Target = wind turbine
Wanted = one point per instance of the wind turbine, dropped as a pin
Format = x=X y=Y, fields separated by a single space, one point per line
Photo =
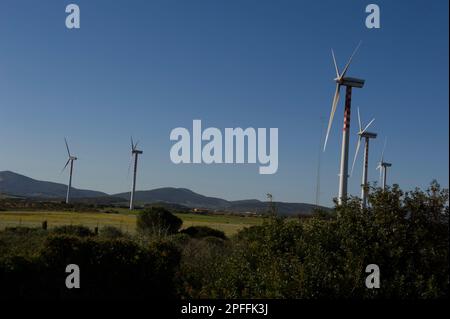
x=382 y=166
x=69 y=160
x=363 y=133
x=134 y=152
x=349 y=83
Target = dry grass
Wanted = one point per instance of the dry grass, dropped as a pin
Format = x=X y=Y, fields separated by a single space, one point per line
x=125 y=221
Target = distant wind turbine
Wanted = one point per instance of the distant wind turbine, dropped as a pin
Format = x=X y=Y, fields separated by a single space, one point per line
x=363 y=133
x=134 y=153
x=69 y=160
x=349 y=83
x=382 y=166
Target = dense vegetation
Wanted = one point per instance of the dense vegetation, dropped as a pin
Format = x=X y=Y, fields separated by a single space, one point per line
x=158 y=221
x=324 y=256
x=26 y=204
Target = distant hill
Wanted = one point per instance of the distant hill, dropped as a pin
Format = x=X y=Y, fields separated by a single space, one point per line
x=188 y=198
x=16 y=185
x=180 y=196
x=19 y=186
x=256 y=206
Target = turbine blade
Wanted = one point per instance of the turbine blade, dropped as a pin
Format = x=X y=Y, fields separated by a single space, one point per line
x=132 y=144
x=379 y=168
x=67 y=163
x=350 y=60
x=367 y=126
x=359 y=121
x=335 y=64
x=333 y=110
x=356 y=154
x=67 y=146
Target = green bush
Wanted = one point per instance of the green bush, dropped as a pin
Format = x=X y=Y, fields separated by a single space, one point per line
x=76 y=230
x=158 y=221
x=111 y=232
x=199 y=264
x=179 y=239
x=109 y=269
x=22 y=231
x=203 y=231
x=20 y=277
x=405 y=234
x=21 y=241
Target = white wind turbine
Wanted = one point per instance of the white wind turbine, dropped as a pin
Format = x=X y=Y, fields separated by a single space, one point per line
x=69 y=160
x=349 y=83
x=134 y=153
x=382 y=166
x=363 y=133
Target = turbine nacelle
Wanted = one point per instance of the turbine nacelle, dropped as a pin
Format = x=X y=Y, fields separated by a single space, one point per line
x=383 y=165
x=70 y=156
x=367 y=134
x=134 y=149
x=353 y=82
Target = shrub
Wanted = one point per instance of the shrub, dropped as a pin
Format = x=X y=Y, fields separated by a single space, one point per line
x=158 y=221
x=199 y=263
x=22 y=231
x=405 y=234
x=21 y=241
x=111 y=232
x=203 y=231
x=179 y=239
x=20 y=278
x=75 y=230
x=109 y=269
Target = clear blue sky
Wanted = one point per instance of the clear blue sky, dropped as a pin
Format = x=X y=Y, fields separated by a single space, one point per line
x=146 y=67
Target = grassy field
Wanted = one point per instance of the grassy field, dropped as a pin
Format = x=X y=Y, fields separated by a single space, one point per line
x=125 y=221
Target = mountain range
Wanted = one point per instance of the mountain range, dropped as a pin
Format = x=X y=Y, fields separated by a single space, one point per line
x=16 y=185
x=22 y=186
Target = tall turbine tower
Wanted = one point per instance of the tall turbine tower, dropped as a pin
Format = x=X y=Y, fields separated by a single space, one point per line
x=362 y=133
x=134 y=153
x=69 y=160
x=349 y=83
x=382 y=166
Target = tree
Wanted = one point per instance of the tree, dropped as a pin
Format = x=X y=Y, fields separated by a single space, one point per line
x=158 y=221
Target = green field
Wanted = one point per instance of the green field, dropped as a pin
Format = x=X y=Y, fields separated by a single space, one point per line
x=126 y=221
